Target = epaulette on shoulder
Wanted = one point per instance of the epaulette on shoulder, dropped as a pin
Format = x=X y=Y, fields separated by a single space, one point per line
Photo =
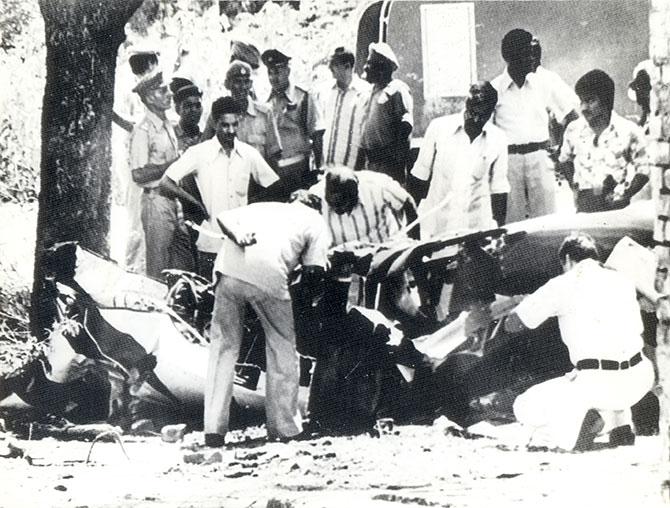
x=396 y=86
x=261 y=107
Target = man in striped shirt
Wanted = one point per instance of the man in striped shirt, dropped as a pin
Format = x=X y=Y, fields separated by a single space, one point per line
x=363 y=206
x=343 y=103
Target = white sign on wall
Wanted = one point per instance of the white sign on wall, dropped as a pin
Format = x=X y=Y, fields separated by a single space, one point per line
x=449 y=49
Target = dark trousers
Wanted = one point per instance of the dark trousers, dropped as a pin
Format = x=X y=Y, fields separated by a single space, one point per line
x=588 y=202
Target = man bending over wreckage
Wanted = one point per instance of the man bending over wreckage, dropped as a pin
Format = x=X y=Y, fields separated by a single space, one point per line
x=600 y=323
x=264 y=244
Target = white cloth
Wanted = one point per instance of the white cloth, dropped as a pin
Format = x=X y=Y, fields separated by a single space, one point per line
x=462 y=175
x=599 y=319
x=523 y=113
x=344 y=112
x=223 y=181
x=286 y=234
x=563 y=98
x=376 y=217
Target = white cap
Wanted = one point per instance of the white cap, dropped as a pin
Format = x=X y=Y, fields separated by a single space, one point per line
x=383 y=49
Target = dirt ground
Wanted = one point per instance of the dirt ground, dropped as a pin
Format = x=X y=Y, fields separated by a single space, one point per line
x=411 y=466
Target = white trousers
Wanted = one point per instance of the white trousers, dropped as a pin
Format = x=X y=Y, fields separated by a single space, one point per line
x=556 y=408
x=283 y=370
x=532 y=186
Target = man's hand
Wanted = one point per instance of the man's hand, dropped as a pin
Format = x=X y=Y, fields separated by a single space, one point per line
x=244 y=239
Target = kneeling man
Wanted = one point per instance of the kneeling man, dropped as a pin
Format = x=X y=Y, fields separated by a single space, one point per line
x=600 y=323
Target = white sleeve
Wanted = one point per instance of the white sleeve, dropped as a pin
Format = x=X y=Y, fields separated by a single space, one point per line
x=499 y=184
x=423 y=167
x=184 y=165
x=544 y=303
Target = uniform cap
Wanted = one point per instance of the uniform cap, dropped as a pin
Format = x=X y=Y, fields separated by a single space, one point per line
x=152 y=81
x=179 y=82
x=274 y=57
x=187 y=91
x=383 y=50
x=246 y=52
x=237 y=69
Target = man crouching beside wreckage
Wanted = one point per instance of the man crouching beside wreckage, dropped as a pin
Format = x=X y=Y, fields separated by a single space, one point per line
x=265 y=242
x=600 y=323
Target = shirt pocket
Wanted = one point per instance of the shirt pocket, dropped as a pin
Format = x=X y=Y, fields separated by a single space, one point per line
x=241 y=183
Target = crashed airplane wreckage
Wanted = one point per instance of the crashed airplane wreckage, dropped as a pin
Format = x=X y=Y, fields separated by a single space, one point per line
x=125 y=347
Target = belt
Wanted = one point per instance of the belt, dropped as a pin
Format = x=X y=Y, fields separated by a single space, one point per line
x=528 y=147
x=288 y=161
x=592 y=363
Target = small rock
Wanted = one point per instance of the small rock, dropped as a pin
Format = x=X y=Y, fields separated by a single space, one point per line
x=205 y=457
x=173 y=433
x=3 y=425
x=61 y=488
x=237 y=474
x=144 y=426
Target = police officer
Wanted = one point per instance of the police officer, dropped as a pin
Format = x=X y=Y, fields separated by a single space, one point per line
x=298 y=120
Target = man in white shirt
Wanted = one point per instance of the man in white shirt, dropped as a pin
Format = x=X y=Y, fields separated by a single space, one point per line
x=265 y=243
x=524 y=100
x=464 y=157
x=223 y=167
x=343 y=103
x=600 y=324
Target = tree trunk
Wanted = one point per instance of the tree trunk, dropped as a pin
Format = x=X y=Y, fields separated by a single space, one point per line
x=659 y=49
x=82 y=38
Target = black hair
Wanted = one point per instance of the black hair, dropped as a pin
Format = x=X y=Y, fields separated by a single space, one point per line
x=578 y=246
x=342 y=56
x=306 y=198
x=598 y=83
x=140 y=63
x=516 y=43
x=224 y=105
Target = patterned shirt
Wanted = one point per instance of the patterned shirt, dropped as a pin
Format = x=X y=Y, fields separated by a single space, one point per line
x=257 y=128
x=298 y=119
x=376 y=217
x=620 y=151
x=222 y=180
x=153 y=141
x=343 y=112
x=386 y=108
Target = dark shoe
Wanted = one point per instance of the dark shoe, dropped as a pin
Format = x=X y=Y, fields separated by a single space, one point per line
x=215 y=440
x=592 y=425
x=622 y=436
x=303 y=436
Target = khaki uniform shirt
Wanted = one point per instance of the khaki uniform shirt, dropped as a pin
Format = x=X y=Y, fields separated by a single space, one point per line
x=153 y=141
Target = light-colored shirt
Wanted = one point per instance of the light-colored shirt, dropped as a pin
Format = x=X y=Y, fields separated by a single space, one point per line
x=523 y=113
x=257 y=127
x=620 y=151
x=287 y=234
x=563 y=99
x=462 y=175
x=153 y=141
x=298 y=118
x=223 y=180
x=597 y=312
x=386 y=108
x=343 y=111
x=376 y=217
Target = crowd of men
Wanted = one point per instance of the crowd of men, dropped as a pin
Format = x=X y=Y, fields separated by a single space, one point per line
x=275 y=182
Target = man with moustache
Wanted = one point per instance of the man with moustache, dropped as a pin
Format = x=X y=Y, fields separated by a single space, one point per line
x=223 y=167
x=463 y=159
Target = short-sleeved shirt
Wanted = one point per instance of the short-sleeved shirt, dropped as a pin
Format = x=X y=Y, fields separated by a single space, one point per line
x=222 y=180
x=153 y=141
x=523 y=113
x=257 y=127
x=563 y=98
x=376 y=217
x=620 y=151
x=386 y=108
x=287 y=234
x=343 y=111
x=298 y=118
x=597 y=312
x=462 y=175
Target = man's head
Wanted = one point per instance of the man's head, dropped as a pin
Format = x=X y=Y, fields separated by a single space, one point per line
x=641 y=85
x=381 y=63
x=154 y=92
x=342 y=66
x=341 y=189
x=142 y=62
x=516 y=49
x=238 y=80
x=595 y=90
x=226 y=115
x=480 y=104
x=575 y=248
x=245 y=52
x=188 y=104
x=278 y=67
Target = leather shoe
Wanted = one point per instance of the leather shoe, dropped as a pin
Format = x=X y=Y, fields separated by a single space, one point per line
x=622 y=436
x=592 y=425
x=215 y=440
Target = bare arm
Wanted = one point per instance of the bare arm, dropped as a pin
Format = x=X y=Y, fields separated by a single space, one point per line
x=170 y=188
x=122 y=122
x=149 y=172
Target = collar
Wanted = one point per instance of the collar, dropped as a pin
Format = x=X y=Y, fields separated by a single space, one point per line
x=506 y=80
x=460 y=126
x=357 y=84
x=235 y=150
x=155 y=120
x=251 y=108
x=289 y=93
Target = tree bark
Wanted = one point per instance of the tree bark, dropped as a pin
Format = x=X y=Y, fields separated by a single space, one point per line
x=659 y=49
x=82 y=39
